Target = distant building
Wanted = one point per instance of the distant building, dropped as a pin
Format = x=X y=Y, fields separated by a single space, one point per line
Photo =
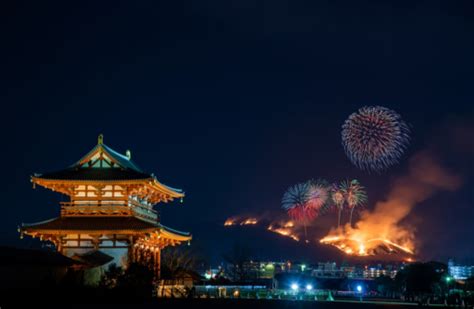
x=375 y=272
x=327 y=270
x=460 y=272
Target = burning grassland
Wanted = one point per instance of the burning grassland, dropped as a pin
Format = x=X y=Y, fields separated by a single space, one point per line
x=240 y=221
x=380 y=230
x=286 y=229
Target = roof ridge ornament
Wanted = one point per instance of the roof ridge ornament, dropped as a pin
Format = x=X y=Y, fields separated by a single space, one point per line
x=100 y=139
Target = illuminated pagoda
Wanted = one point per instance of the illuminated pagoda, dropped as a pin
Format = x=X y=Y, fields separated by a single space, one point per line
x=110 y=210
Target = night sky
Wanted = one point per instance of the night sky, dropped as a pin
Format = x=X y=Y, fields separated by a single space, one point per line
x=234 y=101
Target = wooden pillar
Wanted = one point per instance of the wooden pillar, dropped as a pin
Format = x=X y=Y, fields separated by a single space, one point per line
x=157 y=259
x=131 y=255
x=95 y=242
x=138 y=255
x=59 y=244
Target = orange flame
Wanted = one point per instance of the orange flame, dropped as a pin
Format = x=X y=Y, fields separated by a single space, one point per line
x=380 y=229
x=235 y=221
x=365 y=247
x=284 y=229
x=229 y=222
x=249 y=221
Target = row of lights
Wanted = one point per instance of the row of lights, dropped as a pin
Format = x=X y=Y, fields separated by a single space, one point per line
x=295 y=287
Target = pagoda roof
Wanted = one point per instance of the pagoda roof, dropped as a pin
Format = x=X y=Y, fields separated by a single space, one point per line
x=102 y=163
x=18 y=256
x=84 y=174
x=91 y=224
x=93 y=258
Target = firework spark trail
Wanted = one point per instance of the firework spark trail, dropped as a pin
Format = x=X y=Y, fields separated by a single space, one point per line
x=337 y=197
x=374 y=138
x=354 y=194
x=424 y=179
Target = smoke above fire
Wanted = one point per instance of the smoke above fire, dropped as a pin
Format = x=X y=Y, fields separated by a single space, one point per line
x=381 y=229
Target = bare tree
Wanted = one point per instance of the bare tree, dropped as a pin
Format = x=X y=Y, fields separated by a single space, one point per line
x=237 y=258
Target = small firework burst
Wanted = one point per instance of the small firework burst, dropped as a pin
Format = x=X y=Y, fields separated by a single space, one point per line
x=374 y=138
x=318 y=195
x=354 y=194
x=338 y=199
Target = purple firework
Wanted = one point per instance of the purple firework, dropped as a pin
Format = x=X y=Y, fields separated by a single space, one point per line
x=374 y=138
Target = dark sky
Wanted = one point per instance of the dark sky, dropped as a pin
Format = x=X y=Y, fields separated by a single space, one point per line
x=233 y=101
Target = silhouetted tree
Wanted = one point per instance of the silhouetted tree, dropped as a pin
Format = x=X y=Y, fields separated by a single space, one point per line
x=111 y=276
x=137 y=280
x=418 y=278
x=469 y=284
x=178 y=266
x=177 y=261
x=237 y=258
x=385 y=286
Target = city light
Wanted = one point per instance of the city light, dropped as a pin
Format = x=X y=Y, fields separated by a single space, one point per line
x=294 y=286
x=309 y=287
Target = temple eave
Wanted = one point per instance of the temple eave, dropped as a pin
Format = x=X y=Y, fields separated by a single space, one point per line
x=103 y=226
x=165 y=235
x=158 y=191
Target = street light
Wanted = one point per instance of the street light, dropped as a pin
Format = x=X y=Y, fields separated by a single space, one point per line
x=294 y=287
x=359 y=290
x=309 y=287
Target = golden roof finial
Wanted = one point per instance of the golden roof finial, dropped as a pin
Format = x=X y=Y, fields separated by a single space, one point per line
x=100 y=139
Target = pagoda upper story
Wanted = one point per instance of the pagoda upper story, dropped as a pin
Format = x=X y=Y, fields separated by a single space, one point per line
x=107 y=183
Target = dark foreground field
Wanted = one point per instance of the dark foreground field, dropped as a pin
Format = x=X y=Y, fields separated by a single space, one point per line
x=209 y=303
x=49 y=297
x=254 y=303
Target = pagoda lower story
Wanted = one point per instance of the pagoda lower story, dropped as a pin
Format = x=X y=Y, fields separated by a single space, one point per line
x=110 y=211
x=126 y=239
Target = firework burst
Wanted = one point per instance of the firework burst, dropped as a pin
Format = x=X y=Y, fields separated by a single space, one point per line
x=319 y=191
x=295 y=202
x=354 y=194
x=338 y=199
x=374 y=138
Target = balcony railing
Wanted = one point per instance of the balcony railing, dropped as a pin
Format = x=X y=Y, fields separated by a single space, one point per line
x=107 y=209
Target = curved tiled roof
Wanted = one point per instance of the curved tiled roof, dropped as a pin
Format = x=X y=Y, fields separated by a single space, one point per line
x=118 y=167
x=84 y=223
x=95 y=174
x=92 y=223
